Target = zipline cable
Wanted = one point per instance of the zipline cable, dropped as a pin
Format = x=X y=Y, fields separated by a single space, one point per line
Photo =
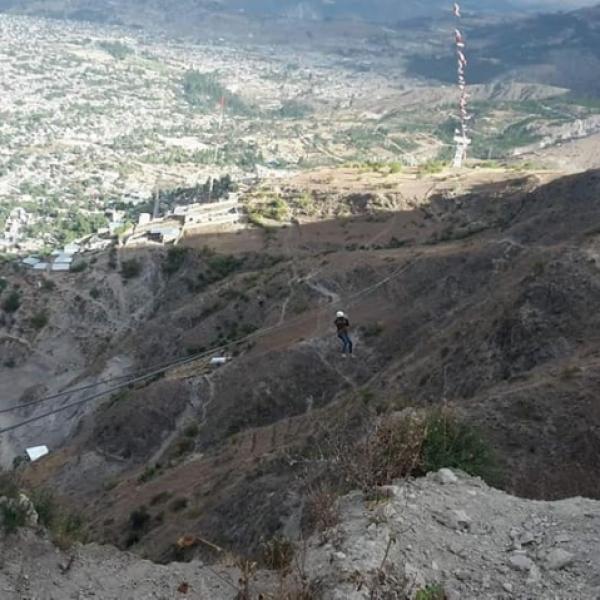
x=84 y=388
x=350 y=301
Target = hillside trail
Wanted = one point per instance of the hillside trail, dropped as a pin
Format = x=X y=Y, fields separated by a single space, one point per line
x=391 y=226
x=189 y=415
x=335 y=366
x=6 y=447
x=287 y=247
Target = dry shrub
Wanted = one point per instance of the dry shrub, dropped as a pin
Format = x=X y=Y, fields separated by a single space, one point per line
x=406 y=444
x=322 y=508
x=294 y=583
x=248 y=570
x=391 y=450
x=396 y=447
x=277 y=553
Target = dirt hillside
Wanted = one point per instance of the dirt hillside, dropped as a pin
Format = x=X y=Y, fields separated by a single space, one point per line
x=472 y=291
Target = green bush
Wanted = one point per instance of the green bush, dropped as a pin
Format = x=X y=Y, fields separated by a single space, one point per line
x=39 y=320
x=131 y=268
x=149 y=473
x=450 y=443
x=117 y=50
x=45 y=506
x=184 y=445
x=65 y=527
x=191 y=430
x=79 y=267
x=204 y=90
x=221 y=266
x=12 y=517
x=12 y=303
x=431 y=592
x=174 y=260
x=178 y=504
x=139 y=519
x=431 y=167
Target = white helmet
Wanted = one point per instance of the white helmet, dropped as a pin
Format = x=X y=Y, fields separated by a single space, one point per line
x=340 y=315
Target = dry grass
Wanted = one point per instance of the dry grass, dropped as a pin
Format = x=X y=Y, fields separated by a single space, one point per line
x=322 y=508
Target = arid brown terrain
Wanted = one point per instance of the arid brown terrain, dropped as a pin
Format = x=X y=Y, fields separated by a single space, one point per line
x=475 y=291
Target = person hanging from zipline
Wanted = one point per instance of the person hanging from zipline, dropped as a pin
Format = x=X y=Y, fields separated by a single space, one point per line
x=343 y=332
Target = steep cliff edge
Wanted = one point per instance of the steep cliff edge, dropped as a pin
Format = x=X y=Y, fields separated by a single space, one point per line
x=443 y=536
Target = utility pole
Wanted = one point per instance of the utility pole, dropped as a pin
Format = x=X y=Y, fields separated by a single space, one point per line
x=156 y=202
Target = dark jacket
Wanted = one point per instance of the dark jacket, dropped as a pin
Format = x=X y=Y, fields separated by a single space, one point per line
x=342 y=324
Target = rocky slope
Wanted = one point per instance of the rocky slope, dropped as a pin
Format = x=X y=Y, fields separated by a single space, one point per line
x=448 y=534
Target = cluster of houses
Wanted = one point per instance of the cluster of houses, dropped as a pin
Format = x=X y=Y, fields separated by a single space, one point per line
x=58 y=261
x=185 y=219
x=197 y=217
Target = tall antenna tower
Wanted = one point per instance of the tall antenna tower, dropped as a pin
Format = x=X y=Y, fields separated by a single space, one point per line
x=461 y=135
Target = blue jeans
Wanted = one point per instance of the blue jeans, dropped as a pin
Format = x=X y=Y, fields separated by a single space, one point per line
x=346 y=341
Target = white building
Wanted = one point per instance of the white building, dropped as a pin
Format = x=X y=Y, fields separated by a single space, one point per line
x=164 y=234
x=63 y=259
x=227 y=212
x=37 y=452
x=71 y=249
x=31 y=261
x=60 y=267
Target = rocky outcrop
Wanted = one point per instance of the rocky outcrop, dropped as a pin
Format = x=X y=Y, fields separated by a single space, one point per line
x=447 y=533
x=33 y=568
x=455 y=533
